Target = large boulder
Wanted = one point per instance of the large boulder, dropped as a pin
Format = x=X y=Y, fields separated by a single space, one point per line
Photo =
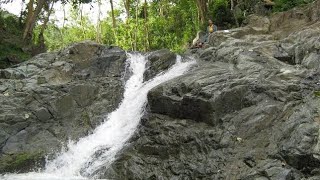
x=228 y=121
x=285 y=23
x=159 y=61
x=249 y=110
x=55 y=97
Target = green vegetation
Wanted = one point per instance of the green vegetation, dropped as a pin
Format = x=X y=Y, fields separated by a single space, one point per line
x=222 y=13
x=85 y=120
x=11 y=45
x=20 y=162
x=317 y=93
x=172 y=29
x=135 y=25
x=284 y=5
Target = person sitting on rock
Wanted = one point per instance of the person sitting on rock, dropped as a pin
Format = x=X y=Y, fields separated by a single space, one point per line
x=202 y=38
x=210 y=29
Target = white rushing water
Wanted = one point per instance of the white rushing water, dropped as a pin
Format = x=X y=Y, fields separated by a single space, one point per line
x=83 y=158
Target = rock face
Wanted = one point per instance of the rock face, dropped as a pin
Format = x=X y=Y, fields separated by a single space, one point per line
x=158 y=61
x=249 y=110
x=55 y=97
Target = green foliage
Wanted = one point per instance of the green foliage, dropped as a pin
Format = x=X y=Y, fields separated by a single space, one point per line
x=222 y=15
x=57 y=38
x=12 y=51
x=1 y=19
x=7 y=49
x=283 y=5
x=10 y=23
x=168 y=24
x=172 y=30
x=11 y=44
x=20 y=161
x=317 y=93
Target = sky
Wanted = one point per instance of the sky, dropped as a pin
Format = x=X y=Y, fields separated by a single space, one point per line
x=88 y=9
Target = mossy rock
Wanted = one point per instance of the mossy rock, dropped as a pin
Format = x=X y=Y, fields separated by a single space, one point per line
x=86 y=122
x=22 y=162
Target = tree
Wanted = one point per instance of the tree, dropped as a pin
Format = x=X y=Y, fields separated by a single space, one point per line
x=114 y=24
x=32 y=18
x=146 y=29
x=33 y=14
x=50 y=5
x=127 y=8
x=136 y=26
x=202 y=10
x=98 y=34
x=21 y=13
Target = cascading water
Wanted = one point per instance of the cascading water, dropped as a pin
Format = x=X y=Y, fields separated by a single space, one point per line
x=89 y=154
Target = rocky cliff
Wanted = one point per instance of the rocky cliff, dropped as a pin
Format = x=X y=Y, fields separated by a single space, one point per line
x=55 y=97
x=249 y=109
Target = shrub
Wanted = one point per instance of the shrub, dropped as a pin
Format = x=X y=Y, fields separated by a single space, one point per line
x=284 y=5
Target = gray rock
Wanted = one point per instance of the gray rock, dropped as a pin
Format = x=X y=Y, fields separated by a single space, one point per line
x=84 y=95
x=207 y=54
x=14 y=143
x=158 y=61
x=249 y=113
x=11 y=74
x=277 y=173
x=312 y=61
x=41 y=80
x=43 y=114
x=3 y=136
x=65 y=106
x=54 y=97
x=245 y=114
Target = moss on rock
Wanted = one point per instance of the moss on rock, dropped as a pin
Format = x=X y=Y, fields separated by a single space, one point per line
x=21 y=162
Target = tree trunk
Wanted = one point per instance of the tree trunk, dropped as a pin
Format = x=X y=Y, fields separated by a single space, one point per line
x=46 y=20
x=114 y=25
x=61 y=30
x=202 y=10
x=231 y=5
x=146 y=29
x=127 y=8
x=21 y=13
x=161 y=9
x=98 y=34
x=44 y=26
x=29 y=17
x=136 y=27
x=112 y=13
x=81 y=22
x=64 y=15
x=31 y=22
x=233 y=10
x=128 y=32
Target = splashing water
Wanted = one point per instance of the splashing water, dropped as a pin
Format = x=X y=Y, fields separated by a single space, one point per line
x=99 y=149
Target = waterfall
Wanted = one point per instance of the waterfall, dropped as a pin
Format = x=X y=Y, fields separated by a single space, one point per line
x=83 y=158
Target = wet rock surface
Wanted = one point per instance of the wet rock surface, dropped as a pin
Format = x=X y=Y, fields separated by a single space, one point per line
x=55 y=97
x=249 y=110
x=158 y=61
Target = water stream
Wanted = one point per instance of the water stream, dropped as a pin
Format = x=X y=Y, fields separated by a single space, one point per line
x=84 y=158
